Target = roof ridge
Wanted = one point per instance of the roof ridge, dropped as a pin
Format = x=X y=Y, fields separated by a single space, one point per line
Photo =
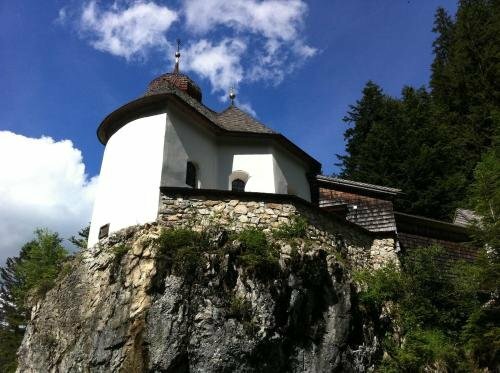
x=359 y=184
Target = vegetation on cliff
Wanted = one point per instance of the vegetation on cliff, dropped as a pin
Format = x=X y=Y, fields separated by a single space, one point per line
x=444 y=315
x=24 y=278
x=440 y=319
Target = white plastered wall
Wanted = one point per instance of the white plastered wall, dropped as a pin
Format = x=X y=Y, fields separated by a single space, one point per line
x=186 y=140
x=129 y=180
x=271 y=169
x=154 y=150
x=259 y=168
x=255 y=160
x=290 y=175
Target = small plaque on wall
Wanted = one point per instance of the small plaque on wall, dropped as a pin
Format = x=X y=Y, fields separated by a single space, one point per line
x=104 y=231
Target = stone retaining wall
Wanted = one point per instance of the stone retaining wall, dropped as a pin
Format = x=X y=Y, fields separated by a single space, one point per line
x=237 y=212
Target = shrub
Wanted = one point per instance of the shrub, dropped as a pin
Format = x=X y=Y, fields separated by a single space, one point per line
x=182 y=249
x=423 y=350
x=173 y=239
x=379 y=286
x=296 y=229
x=253 y=240
x=445 y=317
x=240 y=308
x=119 y=251
x=256 y=255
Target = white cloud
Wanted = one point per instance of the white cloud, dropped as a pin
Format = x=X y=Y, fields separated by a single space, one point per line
x=274 y=19
x=220 y=63
x=127 y=32
x=62 y=16
x=42 y=184
x=228 y=42
x=271 y=30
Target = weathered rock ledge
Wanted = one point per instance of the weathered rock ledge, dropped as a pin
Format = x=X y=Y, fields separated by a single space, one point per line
x=119 y=310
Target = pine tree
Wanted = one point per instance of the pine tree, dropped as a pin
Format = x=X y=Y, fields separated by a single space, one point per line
x=12 y=315
x=466 y=78
x=361 y=117
x=394 y=142
x=29 y=275
x=428 y=143
x=82 y=237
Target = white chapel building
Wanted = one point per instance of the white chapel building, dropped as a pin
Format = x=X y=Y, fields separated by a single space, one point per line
x=168 y=138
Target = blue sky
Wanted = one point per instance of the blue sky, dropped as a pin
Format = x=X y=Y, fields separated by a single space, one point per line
x=297 y=64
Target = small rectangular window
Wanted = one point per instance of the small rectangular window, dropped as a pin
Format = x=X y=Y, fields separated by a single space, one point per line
x=104 y=231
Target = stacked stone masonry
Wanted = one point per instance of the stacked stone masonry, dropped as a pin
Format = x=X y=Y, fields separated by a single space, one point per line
x=365 y=249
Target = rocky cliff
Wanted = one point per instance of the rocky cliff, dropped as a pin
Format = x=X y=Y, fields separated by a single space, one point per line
x=162 y=299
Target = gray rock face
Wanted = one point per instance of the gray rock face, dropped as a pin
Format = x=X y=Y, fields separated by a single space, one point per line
x=120 y=310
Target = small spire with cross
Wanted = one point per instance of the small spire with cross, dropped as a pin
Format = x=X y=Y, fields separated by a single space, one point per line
x=177 y=57
x=232 y=95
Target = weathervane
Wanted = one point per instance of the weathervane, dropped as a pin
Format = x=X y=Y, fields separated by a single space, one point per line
x=177 y=57
x=232 y=95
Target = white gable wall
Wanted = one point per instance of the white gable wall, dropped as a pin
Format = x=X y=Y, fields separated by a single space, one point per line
x=260 y=171
x=254 y=159
x=128 y=190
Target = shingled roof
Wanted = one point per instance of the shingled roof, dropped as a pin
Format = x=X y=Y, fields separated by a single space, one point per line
x=369 y=205
x=235 y=119
x=373 y=215
x=231 y=121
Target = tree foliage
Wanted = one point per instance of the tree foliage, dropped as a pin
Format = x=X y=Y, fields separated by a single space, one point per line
x=428 y=142
x=442 y=320
x=28 y=275
x=485 y=201
x=81 y=239
x=445 y=313
x=12 y=316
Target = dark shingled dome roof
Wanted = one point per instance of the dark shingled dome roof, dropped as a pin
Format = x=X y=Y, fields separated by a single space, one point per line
x=163 y=83
x=231 y=119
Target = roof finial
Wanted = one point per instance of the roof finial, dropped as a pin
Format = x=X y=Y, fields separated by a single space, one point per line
x=232 y=95
x=177 y=57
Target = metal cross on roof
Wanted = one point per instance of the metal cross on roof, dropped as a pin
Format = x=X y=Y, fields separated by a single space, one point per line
x=232 y=95
x=177 y=57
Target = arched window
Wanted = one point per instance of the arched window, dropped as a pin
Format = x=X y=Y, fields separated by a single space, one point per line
x=238 y=185
x=238 y=180
x=191 y=175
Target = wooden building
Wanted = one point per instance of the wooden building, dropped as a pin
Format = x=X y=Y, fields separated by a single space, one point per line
x=371 y=207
